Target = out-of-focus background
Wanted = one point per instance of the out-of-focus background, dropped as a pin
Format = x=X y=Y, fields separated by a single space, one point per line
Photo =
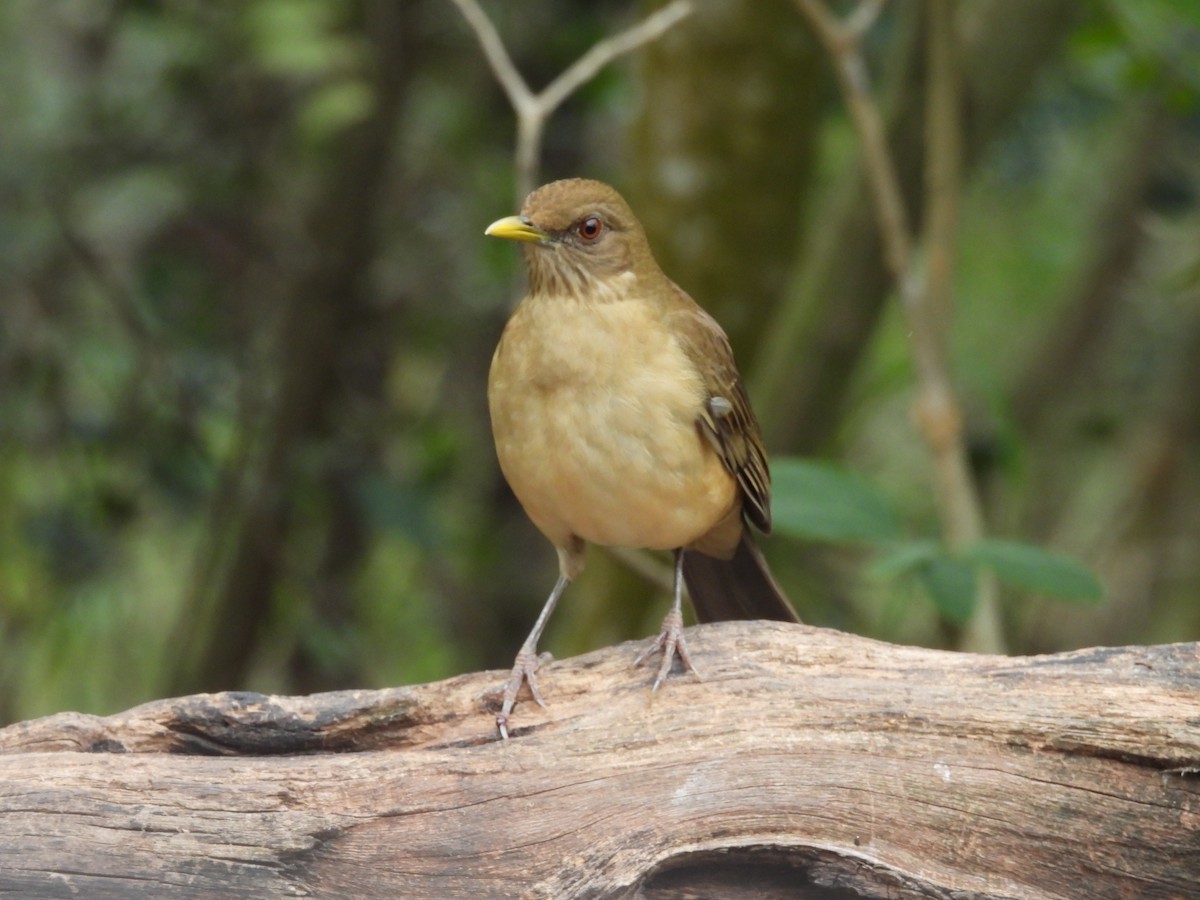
x=247 y=310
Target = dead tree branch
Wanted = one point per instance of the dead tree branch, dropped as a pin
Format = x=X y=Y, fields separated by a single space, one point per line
x=925 y=286
x=534 y=109
x=805 y=760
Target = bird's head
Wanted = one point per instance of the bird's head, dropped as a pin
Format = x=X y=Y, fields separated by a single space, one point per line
x=581 y=240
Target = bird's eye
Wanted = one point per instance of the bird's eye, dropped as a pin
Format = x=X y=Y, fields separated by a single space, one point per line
x=590 y=228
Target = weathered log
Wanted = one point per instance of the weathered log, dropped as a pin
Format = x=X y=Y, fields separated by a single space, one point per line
x=807 y=763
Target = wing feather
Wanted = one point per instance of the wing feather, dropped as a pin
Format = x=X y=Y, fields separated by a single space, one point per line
x=727 y=421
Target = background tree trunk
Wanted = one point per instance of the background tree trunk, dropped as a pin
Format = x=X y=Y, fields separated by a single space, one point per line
x=328 y=333
x=807 y=763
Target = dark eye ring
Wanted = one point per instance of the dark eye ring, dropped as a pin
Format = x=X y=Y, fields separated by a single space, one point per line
x=590 y=228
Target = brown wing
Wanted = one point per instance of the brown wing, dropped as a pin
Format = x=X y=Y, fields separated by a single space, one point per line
x=726 y=421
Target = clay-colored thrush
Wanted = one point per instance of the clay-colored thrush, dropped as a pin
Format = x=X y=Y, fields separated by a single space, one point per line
x=620 y=419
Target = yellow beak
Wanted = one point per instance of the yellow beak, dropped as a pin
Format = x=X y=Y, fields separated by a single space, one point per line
x=517 y=228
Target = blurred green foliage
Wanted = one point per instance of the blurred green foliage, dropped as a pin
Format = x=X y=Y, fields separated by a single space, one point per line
x=248 y=312
x=818 y=501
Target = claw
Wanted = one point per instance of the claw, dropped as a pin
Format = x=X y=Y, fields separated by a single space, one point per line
x=528 y=660
x=523 y=672
x=671 y=642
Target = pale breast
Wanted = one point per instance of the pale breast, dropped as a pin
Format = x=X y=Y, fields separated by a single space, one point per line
x=594 y=409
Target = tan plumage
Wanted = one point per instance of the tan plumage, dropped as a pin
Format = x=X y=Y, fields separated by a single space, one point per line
x=620 y=418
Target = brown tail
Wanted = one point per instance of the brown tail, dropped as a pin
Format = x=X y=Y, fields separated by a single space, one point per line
x=738 y=588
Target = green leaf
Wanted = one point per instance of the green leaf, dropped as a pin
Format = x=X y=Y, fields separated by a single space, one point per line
x=1034 y=569
x=950 y=583
x=901 y=558
x=819 y=501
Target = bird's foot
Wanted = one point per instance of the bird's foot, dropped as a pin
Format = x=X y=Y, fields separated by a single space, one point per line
x=671 y=642
x=524 y=671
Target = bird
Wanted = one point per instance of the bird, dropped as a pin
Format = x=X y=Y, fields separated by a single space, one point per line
x=620 y=419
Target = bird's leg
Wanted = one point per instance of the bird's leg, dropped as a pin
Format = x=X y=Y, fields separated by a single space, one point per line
x=527 y=662
x=670 y=639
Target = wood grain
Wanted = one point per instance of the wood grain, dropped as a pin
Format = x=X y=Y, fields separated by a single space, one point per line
x=807 y=763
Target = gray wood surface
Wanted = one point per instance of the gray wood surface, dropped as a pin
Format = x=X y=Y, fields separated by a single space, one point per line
x=807 y=763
